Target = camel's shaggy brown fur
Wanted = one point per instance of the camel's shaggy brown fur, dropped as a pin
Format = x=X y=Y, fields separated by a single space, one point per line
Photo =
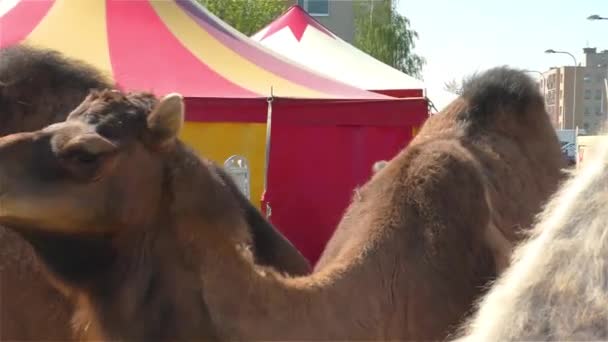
x=556 y=288
x=41 y=86
x=407 y=261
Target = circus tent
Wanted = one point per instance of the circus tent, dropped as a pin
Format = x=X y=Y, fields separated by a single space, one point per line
x=226 y=78
x=299 y=37
x=163 y=46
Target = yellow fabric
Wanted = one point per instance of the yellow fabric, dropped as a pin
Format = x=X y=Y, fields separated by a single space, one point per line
x=219 y=141
x=223 y=60
x=63 y=26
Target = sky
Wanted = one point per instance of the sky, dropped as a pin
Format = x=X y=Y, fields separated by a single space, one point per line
x=459 y=37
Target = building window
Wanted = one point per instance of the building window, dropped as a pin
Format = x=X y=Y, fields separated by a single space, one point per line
x=586 y=126
x=587 y=111
x=598 y=110
x=599 y=78
x=587 y=78
x=315 y=7
x=598 y=94
x=587 y=94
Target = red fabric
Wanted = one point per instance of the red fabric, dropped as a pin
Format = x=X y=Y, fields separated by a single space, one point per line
x=400 y=93
x=200 y=109
x=316 y=164
x=144 y=52
x=297 y=20
x=21 y=20
x=394 y=112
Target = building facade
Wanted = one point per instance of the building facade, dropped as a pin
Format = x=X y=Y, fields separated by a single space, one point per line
x=559 y=96
x=595 y=100
x=591 y=101
x=337 y=15
x=550 y=87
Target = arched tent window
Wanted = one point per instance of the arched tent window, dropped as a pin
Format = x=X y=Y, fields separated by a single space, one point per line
x=238 y=167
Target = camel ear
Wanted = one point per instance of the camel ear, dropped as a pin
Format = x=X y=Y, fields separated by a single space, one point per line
x=167 y=118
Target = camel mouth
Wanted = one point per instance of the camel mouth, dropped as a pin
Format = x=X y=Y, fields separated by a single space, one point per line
x=8 y=220
x=17 y=213
x=7 y=216
x=3 y=195
x=4 y=201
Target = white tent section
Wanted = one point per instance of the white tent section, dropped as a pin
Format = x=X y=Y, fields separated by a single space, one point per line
x=299 y=37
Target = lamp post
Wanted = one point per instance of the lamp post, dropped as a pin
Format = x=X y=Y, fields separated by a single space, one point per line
x=574 y=88
x=542 y=76
x=544 y=81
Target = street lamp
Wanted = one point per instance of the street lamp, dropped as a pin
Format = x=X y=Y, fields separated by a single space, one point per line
x=544 y=83
x=596 y=17
x=538 y=72
x=574 y=89
x=543 y=77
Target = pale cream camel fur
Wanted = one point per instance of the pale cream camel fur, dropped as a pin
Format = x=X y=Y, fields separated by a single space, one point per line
x=556 y=288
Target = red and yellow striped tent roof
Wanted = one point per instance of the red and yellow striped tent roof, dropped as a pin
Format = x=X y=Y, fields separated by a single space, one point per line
x=164 y=46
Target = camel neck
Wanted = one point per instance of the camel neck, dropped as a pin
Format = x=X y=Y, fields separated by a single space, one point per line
x=254 y=303
x=250 y=302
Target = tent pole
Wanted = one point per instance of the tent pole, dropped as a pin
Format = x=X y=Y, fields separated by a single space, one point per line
x=268 y=209
x=268 y=131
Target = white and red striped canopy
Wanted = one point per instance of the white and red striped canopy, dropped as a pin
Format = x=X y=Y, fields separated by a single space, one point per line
x=299 y=37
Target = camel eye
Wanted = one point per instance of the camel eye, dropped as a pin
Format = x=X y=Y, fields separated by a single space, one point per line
x=86 y=150
x=82 y=157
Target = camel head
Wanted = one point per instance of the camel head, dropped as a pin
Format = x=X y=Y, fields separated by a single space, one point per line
x=107 y=199
x=97 y=172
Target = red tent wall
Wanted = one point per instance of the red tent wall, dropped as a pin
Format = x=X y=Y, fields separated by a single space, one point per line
x=218 y=109
x=321 y=151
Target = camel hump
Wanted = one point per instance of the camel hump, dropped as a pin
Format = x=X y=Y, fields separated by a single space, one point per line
x=500 y=90
x=40 y=86
x=24 y=63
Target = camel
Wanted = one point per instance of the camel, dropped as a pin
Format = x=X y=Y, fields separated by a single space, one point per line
x=39 y=87
x=160 y=254
x=555 y=288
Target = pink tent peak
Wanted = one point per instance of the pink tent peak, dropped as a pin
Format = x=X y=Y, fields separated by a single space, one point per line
x=297 y=22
